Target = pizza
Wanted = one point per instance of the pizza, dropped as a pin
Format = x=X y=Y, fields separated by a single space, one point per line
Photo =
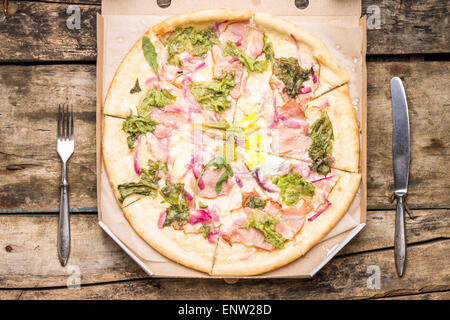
x=230 y=141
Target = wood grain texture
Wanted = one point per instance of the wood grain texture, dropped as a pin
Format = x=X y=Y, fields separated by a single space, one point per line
x=30 y=168
x=28 y=256
x=37 y=30
x=29 y=165
x=343 y=278
x=428 y=102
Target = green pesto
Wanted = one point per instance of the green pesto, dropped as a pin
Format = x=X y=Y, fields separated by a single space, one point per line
x=266 y=224
x=291 y=74
x=137 y=125
x=212 y=95
x=248 y=62
x=268 y=49
x=322 y=144
x=292 y=186
x=197 y=42
x=255 y=202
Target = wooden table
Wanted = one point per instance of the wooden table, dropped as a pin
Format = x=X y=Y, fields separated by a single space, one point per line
x=42 y=63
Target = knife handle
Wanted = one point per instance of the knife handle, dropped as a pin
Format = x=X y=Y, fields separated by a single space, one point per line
x=400 y=237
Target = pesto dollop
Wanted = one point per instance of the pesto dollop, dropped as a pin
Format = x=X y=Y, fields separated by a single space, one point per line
x=197 y=42
x=291 y=74
x=255 y=202
x=266 y=224
x=292 y=186
x=212 y=95
x=322 y=144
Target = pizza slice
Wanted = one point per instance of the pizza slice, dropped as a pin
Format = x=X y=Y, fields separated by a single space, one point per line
x=284 y=212
x=180 y=73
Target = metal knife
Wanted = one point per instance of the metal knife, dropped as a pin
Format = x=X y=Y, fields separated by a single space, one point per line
x=401 y=159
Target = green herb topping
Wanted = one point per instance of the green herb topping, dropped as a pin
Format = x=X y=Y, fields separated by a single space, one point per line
x=218 y=163
x=320 y=150
x=136 y=88
x=178 y=211
x=255 y=202
x=204 y=230
x=291 y=74
x=150 y=54
x=212 y=95
x=137 y=125
x=250 y=64
x=197 y=42
x=292 y=186
x=147 y=185
x=201 y=205
x=266 y=224
x=268 y=49
x=156 y=98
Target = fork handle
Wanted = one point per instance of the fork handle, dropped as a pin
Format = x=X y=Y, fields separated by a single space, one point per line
x=63 y=223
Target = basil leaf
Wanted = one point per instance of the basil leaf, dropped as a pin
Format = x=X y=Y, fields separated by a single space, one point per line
x=150 y=54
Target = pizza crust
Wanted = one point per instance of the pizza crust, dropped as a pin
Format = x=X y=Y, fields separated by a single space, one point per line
x=345 y=127
x=190 y=250
x=240 y=260
x=201 y=16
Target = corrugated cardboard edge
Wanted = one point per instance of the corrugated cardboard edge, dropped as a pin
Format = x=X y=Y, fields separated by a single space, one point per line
x=363 y=154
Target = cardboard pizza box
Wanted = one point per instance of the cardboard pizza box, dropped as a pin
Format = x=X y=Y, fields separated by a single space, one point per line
x=336 y=22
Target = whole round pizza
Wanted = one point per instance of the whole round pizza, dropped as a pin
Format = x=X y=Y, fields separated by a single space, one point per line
x=230 y=140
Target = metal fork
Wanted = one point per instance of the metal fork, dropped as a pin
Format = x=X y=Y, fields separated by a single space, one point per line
x=64 y=147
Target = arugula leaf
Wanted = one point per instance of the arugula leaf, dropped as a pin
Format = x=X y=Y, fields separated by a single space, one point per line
x=178 y=210
x=136 y=88
x=178 y=213
x=150 y=54
x=291 y=74
x=156 y=98
x=292 y=186
x=266 y=224
x=321 y=147
x=148 y=183
x=219 y=163
x=268 y=49
x=212 y=95
x=197 y=42
x=137 y=125
x=249 y=63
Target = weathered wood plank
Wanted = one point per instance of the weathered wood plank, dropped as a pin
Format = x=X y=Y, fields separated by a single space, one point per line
x=408 y=27
x=30 y=168
x=444 y=295
x=37 y=31
x=428 y=102
x=28 y=256
x=343 y=278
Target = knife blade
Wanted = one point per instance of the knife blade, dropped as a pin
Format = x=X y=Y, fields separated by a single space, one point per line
x=401 y=160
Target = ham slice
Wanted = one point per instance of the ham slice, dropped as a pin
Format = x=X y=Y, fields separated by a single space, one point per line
x=249 y=237
x=159 y=148
x=172 y=119
x=257 y=43
x=288 y=140
x=224 y=64
x=235 y=32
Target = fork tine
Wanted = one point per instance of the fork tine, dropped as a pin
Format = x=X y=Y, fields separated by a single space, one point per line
x=58 y=131
x=71 y=123
x=67 y=122
x=63 y=121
